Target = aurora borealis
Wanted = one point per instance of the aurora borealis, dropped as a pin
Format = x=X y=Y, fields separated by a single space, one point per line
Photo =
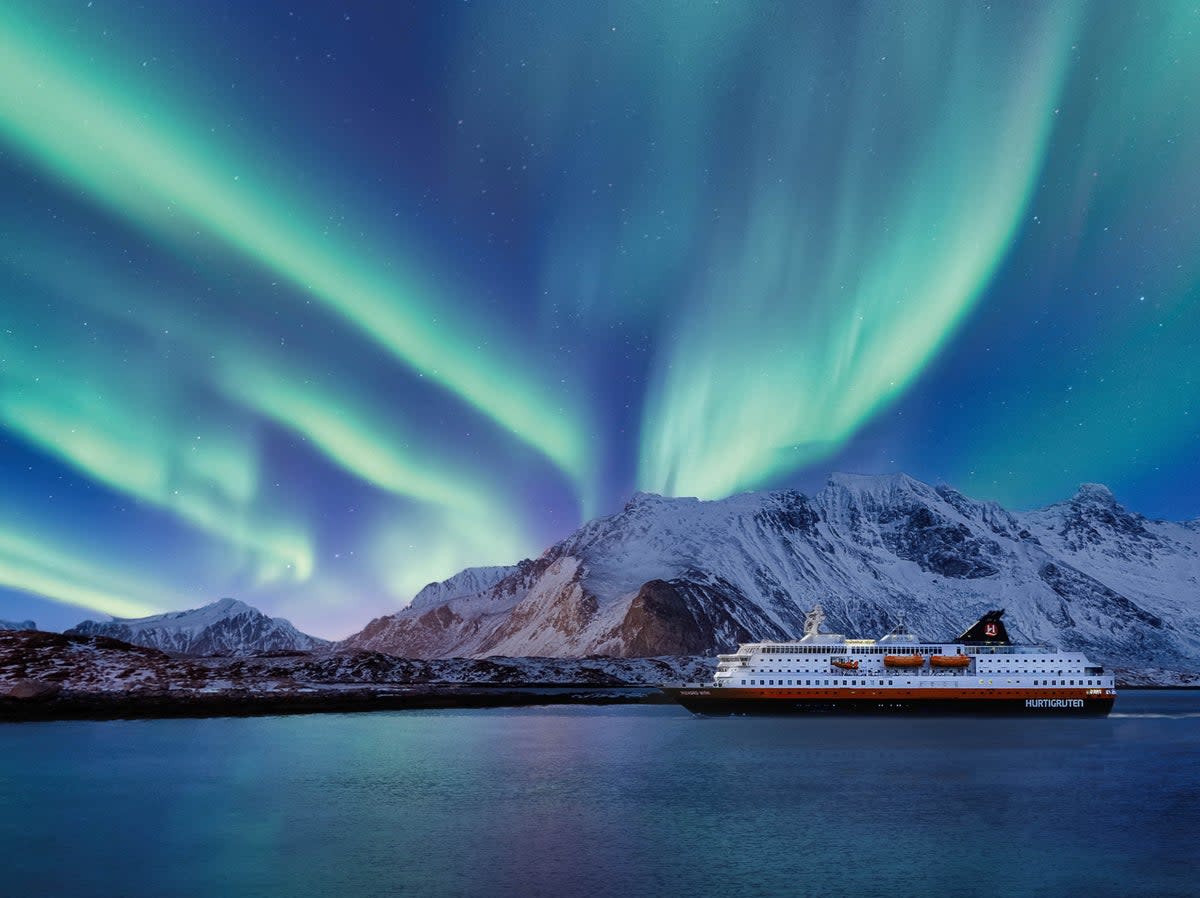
x=312 y=304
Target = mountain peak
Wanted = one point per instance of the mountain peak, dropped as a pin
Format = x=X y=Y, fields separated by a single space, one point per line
x=876 y=490
x=226 y=626
x=1095 y=492
x=641 y=498
x=228 y=606
x=874 y=483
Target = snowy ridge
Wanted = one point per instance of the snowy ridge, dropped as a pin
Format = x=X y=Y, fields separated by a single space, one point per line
x=17 y=625
x=688 y=577
x=469 y=582
x=224 y=627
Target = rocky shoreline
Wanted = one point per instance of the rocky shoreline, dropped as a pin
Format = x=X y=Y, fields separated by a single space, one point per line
x=70 y=705
x=55 y=676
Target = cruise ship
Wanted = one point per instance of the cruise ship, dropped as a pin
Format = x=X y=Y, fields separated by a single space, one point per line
x=980 y=672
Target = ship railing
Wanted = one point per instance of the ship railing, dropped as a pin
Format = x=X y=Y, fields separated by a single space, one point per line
x=1006 y=649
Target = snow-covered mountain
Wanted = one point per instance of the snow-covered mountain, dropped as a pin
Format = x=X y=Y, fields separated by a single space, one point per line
x=464 y=583
x=17 y=625
x=682 y=576
x=224 y=627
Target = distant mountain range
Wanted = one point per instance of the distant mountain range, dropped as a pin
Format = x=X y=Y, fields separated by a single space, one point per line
x=17 y=625
x=684 y=577
x=224 y=627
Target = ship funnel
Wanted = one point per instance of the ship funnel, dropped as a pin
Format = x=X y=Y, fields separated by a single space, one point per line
x=988 y=630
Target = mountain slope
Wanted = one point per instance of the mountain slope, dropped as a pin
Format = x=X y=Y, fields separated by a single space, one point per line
x=681 y=576
x=17 y=625
x=224 y=627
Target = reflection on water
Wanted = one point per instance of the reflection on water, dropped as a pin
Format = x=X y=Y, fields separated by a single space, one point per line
x=1158 y=716
x=602 y=801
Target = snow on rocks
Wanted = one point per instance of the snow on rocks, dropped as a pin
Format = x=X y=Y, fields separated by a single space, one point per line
x=688 y=576
x=224 y=627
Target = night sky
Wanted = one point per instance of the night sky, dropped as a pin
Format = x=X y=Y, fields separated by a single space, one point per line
x=312 y=303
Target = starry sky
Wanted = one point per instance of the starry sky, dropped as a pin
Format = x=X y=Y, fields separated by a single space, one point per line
x=314 y=303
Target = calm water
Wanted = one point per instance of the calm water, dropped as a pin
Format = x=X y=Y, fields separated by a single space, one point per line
x=586 y=801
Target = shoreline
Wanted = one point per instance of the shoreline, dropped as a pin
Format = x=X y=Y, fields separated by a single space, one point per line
x=118 y=706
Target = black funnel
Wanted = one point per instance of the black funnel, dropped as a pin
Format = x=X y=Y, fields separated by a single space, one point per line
x=988 y=630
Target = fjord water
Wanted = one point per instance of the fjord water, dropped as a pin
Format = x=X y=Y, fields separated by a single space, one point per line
x=629 y=800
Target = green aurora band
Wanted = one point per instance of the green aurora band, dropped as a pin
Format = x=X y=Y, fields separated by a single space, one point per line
x=1128 y=399
x=822 y=304
x=134 y=429
x=141 y=434
x=110 y=140
x=58 y=571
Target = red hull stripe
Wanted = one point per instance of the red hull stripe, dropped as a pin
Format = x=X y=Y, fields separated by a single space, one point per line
x=851 y=692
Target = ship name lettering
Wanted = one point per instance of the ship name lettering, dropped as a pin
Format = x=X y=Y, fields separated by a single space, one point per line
x=1053 y=703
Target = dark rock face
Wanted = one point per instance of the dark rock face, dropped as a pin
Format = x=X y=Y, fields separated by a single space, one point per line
x=1131 y=632
x=1093 y=518
x=792 y=512
x=1072 y=584
x=658 y=617
x=938 y=545
x=690 y=617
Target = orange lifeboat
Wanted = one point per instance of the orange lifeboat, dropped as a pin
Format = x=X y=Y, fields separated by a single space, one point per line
x=844 y=663
x=903 y=660
x=949 y=660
